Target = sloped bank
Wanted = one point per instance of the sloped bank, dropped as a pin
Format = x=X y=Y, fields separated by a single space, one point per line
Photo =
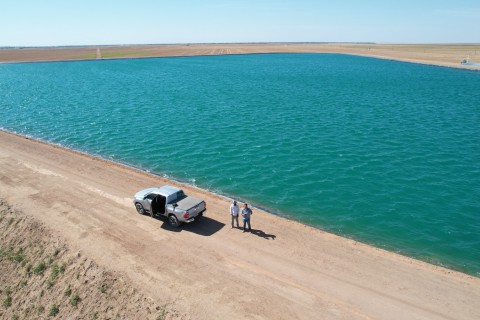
x=41 y=277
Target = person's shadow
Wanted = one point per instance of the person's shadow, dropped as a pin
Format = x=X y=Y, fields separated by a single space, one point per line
x=262 y=234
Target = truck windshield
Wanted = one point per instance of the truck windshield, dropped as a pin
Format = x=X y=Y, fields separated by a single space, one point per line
x=180 y=195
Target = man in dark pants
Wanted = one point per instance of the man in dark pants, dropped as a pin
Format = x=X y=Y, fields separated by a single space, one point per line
x=246 y=213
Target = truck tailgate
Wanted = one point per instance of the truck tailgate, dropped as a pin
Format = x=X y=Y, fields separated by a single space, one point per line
x=191 y=203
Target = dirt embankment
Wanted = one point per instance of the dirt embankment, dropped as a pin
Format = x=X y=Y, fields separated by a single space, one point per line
x=447 y=55
x=42 y=278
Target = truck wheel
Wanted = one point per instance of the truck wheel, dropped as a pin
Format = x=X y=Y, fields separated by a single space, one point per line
x=173 y=221
x=139 y=208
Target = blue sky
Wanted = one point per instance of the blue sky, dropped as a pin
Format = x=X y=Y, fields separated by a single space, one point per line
x=65 y=22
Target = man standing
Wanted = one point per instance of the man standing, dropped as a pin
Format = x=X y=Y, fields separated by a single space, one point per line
x=246 y=213
x=234 y=209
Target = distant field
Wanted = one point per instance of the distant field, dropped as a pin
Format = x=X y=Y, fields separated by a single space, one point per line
x=438 y=54
x=110 y=55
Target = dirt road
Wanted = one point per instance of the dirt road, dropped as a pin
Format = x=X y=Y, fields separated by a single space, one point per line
x=282 y=270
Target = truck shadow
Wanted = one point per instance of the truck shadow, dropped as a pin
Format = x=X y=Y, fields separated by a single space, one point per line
x=205 y=226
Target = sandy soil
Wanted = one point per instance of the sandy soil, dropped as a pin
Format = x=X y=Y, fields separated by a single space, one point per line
x=40 y=273
x=435 y=54
x=207 y=270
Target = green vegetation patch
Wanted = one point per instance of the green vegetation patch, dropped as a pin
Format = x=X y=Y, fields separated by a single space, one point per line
x=13 y=256
x=55 y=272
x=40 y=268
x=75 y=300
x=29 y=270
x=53 y=310
x=68 y=291
x=19 y=256
x=7 y=302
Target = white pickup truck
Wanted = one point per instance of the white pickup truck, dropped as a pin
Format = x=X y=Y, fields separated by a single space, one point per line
x=169 y=202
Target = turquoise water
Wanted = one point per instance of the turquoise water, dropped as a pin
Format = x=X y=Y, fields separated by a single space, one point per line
x=383 y=152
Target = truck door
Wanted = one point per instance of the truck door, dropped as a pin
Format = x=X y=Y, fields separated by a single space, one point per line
x=158 y=205
x=149 y=205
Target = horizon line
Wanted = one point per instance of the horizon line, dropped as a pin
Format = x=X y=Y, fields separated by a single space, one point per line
x=239 y=43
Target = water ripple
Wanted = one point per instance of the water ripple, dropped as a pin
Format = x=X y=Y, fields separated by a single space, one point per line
x=381 y=151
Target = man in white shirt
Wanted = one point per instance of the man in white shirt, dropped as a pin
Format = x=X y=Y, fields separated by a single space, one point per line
x=234 y=209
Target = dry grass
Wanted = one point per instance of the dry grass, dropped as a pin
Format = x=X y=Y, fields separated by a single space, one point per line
x=42 y=278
